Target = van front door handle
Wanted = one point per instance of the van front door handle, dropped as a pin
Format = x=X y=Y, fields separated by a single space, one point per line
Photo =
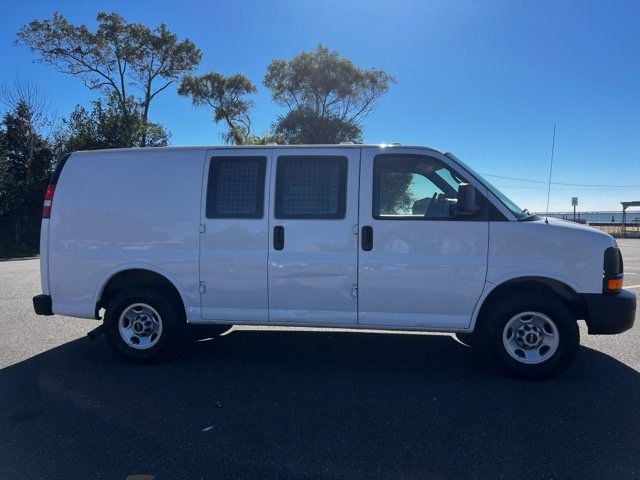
x=366 y=238
x=278 y=237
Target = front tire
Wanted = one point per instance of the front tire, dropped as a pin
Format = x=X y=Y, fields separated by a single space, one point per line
x=531 y=336
x=143 y=324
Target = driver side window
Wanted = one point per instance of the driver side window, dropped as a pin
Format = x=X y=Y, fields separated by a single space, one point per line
x=413 y=187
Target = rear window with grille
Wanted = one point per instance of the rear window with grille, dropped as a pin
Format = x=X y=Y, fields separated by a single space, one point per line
x=236 y=187
x=311 y=187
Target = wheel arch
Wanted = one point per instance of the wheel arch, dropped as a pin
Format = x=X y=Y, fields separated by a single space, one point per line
x=532 y=284
x=136 y=277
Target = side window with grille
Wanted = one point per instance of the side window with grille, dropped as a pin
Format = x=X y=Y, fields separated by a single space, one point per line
x=236 y=187
x=311 y=187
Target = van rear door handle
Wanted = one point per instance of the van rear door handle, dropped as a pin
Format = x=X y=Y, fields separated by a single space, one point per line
x=366 y=238
x=278 y=237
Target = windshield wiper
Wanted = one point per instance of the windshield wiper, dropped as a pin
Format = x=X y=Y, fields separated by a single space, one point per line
x=527 y=215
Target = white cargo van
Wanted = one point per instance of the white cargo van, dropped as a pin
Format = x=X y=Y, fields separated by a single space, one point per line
x=352 y=236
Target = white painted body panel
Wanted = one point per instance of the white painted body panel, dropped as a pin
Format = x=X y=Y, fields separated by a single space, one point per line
x=312 y=279
x=125 y=209
x=122 y=209
x=561 y=250
x=44 y=256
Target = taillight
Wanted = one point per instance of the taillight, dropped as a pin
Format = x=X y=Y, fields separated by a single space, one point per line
x=48 y=194
x=48 y=200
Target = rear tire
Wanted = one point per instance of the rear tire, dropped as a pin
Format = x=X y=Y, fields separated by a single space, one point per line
x=143 y=324
x=531 y=336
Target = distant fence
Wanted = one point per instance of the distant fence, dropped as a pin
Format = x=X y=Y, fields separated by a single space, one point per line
x=612 y=222
x=627 y=230
x=19 y=234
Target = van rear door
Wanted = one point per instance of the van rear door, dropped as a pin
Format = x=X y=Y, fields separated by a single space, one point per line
x=313 y=249
x=234 y=236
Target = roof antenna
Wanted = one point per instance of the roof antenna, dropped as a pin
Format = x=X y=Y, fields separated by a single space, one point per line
x=553 y=148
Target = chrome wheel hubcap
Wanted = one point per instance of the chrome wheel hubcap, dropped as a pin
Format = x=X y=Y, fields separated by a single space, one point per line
x=140 y=326
x=531 y=337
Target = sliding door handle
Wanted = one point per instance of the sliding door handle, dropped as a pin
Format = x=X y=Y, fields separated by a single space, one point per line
x=366 y=239
x=278 y=237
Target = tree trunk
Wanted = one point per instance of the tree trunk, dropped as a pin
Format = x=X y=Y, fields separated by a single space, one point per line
x=145 y=114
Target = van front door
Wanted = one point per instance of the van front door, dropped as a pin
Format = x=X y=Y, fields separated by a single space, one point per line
x=313 y=244
x=234 y=236
x=421 y=262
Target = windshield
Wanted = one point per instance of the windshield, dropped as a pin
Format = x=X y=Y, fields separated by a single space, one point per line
x=507 y=202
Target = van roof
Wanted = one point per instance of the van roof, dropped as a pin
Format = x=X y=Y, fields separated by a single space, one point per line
x=263 y=147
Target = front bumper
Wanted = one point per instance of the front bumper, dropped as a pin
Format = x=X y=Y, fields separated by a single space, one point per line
x=42 y=305
x=610 y=313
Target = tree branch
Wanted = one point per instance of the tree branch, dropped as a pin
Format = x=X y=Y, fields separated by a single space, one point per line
x=160 y=89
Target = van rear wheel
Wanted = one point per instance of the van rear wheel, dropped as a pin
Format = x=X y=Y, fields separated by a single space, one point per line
x=531 y=336
x=143 y=324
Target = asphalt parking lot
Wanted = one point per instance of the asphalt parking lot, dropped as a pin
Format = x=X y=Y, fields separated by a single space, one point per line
x=297 y=404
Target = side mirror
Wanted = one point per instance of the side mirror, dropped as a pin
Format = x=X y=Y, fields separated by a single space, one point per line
x=467 y=204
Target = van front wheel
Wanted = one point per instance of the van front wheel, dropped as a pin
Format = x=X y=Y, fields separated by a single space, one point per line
x=142 y=324
x=530 y=336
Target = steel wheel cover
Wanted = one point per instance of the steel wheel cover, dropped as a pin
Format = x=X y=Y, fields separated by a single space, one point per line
x=531 y=337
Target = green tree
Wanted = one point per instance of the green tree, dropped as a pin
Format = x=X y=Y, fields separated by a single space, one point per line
x=226 y=94
x=119 y=58
x=304 y=125
x=103 y=127
x=25 y=164
x=325 y=92
x=395 y=193
x=264 y=139
x=36 y=104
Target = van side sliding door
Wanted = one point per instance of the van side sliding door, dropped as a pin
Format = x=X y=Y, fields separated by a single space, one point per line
x=234 y=236
x=313 y=247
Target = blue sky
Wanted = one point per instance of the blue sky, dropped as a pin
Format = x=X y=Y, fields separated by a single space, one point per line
x=485 y=80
